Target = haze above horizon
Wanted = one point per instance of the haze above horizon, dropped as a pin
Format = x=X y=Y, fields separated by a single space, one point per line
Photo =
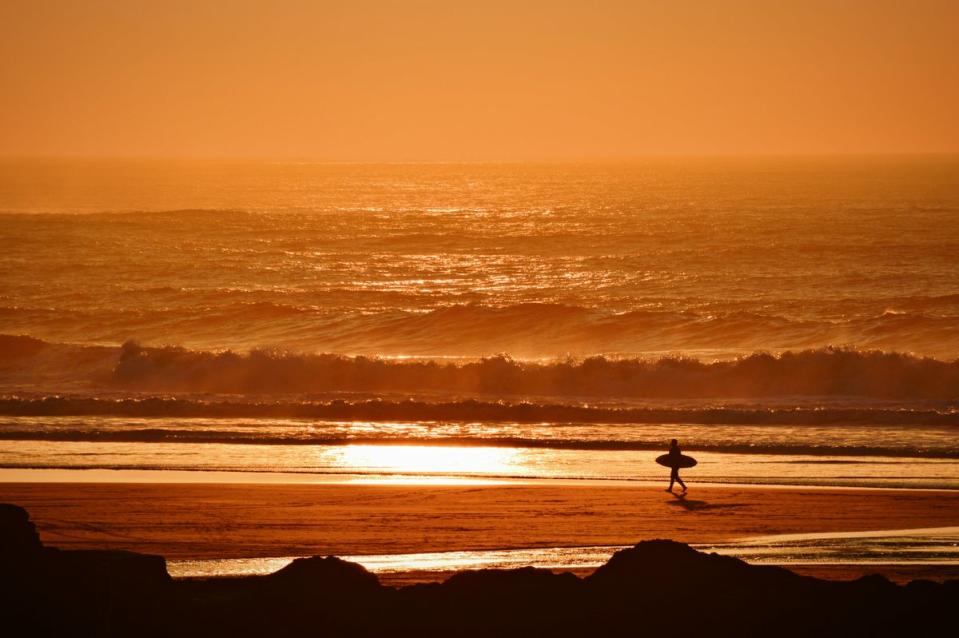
x=386 y=81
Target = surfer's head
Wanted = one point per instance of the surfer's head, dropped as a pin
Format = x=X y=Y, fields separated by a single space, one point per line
x=674 y=443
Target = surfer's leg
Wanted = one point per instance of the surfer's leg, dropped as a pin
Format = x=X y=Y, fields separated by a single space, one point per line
x=673 y=477
x=679 y=480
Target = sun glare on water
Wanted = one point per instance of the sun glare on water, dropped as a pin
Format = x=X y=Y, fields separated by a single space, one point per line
x=427 y=463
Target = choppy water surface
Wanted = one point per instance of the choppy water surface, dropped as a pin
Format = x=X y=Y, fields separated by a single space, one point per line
x=703 y=257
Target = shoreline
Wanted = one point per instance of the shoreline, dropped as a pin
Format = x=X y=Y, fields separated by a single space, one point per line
x=898 y=554
x=899 y=574
x=124 y=476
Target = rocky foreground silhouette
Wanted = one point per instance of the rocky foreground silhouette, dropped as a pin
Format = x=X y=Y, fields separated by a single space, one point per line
x=656 y=588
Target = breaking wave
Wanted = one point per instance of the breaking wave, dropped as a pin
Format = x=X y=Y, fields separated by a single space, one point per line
x=26 y=363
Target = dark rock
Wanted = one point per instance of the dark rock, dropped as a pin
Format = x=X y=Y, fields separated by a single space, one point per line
x=55 y=592
x=326 y=574
x=124 y=572
x=18 y=535
x=654 y=588
x=509 y=582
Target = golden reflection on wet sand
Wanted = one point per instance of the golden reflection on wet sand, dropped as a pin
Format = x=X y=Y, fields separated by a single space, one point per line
x=928 y=546
x=422 y=459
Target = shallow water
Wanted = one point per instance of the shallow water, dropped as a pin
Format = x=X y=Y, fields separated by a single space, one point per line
x=905 y=439
x=861 y=455
x=451 y=464
x=932 y=546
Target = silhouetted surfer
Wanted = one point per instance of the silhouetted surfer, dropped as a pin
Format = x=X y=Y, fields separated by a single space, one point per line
x=674 y=455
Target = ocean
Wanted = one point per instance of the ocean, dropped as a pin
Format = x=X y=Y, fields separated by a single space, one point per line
x=790 y=320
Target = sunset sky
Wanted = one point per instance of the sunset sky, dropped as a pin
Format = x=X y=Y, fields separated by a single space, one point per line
x=437 y=80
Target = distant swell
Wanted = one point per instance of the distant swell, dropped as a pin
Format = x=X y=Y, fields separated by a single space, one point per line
x=240 y=320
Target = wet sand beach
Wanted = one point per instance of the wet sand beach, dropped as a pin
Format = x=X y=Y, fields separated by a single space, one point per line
x=209 y=521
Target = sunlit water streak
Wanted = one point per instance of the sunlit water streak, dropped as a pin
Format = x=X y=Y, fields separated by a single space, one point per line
x=905 y=439
x=436 y=452
x=438 y=464
x=931 y=546
x=706 y=256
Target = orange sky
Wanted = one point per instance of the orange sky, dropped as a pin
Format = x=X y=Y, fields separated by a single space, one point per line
x=395 y=80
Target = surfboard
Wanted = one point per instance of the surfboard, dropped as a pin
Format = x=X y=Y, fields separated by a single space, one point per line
x=668 y=460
